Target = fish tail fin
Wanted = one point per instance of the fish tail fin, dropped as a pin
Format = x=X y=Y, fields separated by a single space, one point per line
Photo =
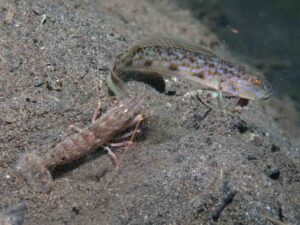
x=116 y=85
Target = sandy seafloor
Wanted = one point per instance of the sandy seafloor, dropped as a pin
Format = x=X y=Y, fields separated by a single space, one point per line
x=54 y=56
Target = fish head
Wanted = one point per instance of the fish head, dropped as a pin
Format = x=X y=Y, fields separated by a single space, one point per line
x=261 y=86
x=252 y=87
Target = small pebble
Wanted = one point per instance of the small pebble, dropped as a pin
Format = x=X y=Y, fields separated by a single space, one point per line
x=251 y=157
x=241 y=126
x=275 y=148
x=75 y=210
x=179 y=158
x=208 y=141
x=38 y=83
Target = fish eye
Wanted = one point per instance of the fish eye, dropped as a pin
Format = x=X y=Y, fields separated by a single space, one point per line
x=255 y=81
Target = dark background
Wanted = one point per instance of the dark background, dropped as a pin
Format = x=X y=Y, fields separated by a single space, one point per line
x=265 y=33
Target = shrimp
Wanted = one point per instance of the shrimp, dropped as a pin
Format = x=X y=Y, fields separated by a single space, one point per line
x=36 y=169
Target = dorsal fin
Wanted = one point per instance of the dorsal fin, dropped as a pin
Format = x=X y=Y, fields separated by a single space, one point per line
x=171 y=42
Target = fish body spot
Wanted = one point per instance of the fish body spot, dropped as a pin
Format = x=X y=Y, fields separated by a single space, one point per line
x=173 y=67
x=148 y=62
x=192 y=59
x=185 y=64
x=217 y=73
x=200 y=75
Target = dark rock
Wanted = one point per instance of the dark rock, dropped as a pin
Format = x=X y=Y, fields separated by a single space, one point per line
x=273 y=173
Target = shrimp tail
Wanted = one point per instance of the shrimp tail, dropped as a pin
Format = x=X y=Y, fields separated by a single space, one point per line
x=13 y=215
x=35 y=172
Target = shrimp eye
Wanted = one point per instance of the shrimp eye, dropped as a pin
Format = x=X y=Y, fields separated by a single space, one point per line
x=255 y=81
